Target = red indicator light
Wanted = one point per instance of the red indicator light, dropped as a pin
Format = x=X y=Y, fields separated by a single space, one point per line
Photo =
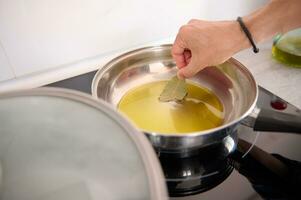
x=278 y=105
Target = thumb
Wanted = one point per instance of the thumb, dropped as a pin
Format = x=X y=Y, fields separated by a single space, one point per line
x=189 y=70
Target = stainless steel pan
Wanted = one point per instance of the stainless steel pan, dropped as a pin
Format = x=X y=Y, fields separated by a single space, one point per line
x=231 y=82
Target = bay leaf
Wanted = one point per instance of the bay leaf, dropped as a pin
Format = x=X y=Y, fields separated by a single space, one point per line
x=175 y=90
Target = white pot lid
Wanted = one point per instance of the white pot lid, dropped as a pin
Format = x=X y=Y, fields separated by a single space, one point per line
x=58 y=144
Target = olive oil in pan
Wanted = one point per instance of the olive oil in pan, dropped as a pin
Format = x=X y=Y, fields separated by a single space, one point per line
x=200 y=110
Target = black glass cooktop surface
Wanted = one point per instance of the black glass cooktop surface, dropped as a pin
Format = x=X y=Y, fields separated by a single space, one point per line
x=199 y=173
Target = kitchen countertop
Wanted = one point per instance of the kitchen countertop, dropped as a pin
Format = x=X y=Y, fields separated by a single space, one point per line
x=281 y=80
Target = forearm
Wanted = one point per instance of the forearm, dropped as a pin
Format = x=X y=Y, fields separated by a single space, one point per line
x=203 y=43
x=279 y=16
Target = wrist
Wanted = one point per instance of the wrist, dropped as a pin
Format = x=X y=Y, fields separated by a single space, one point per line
x=276 y=17
x=240 y=40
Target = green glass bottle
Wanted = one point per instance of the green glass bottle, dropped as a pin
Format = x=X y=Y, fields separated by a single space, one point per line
x=287 y=48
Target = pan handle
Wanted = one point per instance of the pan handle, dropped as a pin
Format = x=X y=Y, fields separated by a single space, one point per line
x=270 y=120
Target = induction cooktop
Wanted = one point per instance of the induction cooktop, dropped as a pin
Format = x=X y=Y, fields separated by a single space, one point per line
x=194 y=176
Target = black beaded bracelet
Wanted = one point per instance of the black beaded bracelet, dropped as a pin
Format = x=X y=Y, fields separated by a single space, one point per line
x=248 y=34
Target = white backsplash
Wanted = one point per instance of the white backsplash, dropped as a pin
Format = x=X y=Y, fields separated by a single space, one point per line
x=5 y=69
x=40 y=36
x=231 y=9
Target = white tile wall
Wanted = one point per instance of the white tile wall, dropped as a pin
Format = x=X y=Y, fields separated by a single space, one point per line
x=6 y=71
x=42 y=34
x=231 y=9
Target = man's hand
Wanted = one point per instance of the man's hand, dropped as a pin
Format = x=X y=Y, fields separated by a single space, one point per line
x=202 y=43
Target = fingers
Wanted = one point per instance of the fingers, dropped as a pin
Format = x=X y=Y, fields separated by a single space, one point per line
x=178 y=52
x=182 y=53
x=187 y=72
x=204 y=43
x=187 y=56
x=190 y=70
